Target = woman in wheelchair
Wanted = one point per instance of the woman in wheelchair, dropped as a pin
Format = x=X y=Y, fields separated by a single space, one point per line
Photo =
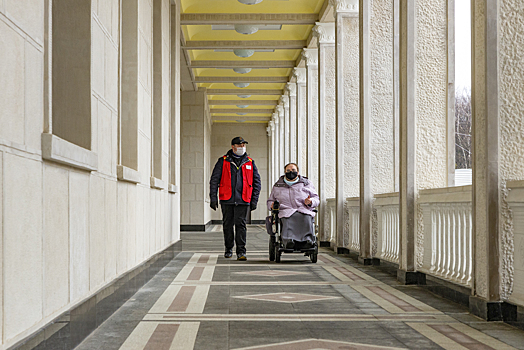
x=298 y=198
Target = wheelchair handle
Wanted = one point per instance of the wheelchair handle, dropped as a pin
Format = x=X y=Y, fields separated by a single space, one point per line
x=276 y=205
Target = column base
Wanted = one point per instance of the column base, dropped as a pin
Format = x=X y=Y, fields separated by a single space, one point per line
x=411 y=277
x=324 y=244
x=342 y=250
x=369 y=261
x=493 y=310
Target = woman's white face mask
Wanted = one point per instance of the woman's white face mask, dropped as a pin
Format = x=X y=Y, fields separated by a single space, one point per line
x=240 y=151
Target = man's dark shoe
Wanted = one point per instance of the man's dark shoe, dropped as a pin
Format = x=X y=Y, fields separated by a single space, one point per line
x=228 y=254
x=241 y=257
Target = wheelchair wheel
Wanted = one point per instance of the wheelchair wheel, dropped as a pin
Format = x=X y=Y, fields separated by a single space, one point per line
x=277 y=254
x=314 y=256
x=271 y=249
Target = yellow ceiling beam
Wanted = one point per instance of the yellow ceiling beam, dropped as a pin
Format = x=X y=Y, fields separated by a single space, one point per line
x=269 y=79
x=243 y=102
x=242 y=110
x=247 y=18
x=245 y=92
x=243 y=64
x=244 y=44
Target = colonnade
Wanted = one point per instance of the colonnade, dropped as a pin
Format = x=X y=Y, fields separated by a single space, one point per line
x=368 y=114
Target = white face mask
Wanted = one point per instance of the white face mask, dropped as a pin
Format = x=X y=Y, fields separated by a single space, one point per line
x=240 y=151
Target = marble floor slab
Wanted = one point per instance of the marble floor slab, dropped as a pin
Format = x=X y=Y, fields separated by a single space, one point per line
x=201 y=300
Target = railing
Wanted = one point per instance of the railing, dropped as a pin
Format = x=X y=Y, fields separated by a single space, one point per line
x=447 y=233
x=516 y=205
x=388 y=226
x=330 y=217
x=351 y=228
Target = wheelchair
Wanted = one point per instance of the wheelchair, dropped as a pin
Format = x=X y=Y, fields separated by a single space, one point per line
x=276 y=244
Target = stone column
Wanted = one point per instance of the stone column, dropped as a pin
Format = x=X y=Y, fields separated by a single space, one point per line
x=310 y=56
x=284 y=101
x=300 y=76
x=282 y=137
x=291 y=89
x=423 y=120
x=276 y=142
x=269 y=131
x=325 y=32
x=497 y=150
x=347 y=109
x=378 y=134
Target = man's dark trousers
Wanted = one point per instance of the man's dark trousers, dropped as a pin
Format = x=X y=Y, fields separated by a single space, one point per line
x=235 y=215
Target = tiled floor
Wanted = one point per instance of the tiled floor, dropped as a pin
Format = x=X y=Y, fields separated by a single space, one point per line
x=202 y=301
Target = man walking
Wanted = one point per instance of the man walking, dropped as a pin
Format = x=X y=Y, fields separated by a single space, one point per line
x=237 y=181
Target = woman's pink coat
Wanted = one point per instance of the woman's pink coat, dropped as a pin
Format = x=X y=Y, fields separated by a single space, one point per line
x=292 y=198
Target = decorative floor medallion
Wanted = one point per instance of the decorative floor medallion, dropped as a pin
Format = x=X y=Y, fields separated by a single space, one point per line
x=271 y=273
x=287 y=297
x=318 y=344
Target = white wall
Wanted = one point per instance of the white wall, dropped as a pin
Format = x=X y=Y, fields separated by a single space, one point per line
x=256 y=135
x=65 y=233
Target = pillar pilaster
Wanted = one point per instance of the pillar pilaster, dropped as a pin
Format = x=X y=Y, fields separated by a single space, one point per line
x=378 y=125
x=325 y=33
x=497 y=156
x=310 y=56
x=423 y=121
x=276 y=151
x=269 y=131
x=300 y=76
x=291 y=91
x=282 y=136
x=284 y=101
x=347 y=108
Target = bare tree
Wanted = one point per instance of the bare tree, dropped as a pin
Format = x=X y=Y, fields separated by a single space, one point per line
x=463 y=129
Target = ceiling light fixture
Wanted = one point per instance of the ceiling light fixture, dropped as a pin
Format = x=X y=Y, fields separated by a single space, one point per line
x=241 y=85
x=244 y=96
x=240 y=120
x=246 y=29
x=250 y=2
x=243 y=52
x=242 y=70
x=242 y=106
x=241 y=113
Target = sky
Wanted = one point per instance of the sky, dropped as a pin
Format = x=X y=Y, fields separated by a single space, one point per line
x=462 y=44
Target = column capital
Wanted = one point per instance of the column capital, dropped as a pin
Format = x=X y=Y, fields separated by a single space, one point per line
x=300 y=75
x=268 y=131
x=284 y=100
x=280 y=110
x=291 y=89
x=325 y=32
x=344 y=6
x=275 y=119
x=310 y=56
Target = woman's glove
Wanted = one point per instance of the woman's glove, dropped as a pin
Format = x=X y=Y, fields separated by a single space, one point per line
x=253 y=206
x=214 y=205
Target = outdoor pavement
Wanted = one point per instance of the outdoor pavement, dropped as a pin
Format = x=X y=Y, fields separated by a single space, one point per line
x=201 y=300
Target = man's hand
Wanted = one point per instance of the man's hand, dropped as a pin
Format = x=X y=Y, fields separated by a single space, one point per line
x=253 y=206
x=308 y=201
x=214 y=205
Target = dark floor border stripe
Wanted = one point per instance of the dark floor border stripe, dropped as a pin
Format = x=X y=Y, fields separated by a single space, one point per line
x=253 y=222
x=73 y=326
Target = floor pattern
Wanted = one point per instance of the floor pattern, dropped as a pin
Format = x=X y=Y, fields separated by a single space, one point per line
x=204 y=301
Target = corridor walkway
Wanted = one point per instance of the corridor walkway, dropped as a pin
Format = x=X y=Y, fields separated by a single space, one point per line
x=201 y=300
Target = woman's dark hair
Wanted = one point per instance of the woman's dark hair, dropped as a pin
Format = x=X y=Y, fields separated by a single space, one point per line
x=288 y=164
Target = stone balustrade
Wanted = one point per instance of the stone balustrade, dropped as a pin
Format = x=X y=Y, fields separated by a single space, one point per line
x=330 y=215
x=515 y=202
x=388 y=237
x=447 y=221
x=351 y=229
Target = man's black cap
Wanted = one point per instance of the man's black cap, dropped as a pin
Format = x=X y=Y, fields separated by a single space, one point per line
x=238 y=140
